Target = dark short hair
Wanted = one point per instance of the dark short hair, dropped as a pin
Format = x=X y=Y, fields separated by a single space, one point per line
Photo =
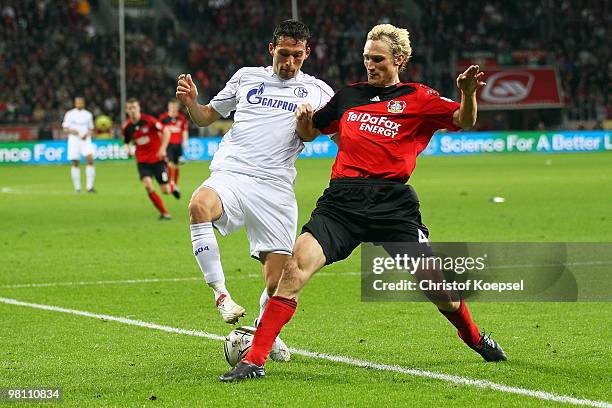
x=132 y=100
x=292 y=29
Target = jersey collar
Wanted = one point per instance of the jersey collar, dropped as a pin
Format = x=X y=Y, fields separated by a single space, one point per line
x=270 y=71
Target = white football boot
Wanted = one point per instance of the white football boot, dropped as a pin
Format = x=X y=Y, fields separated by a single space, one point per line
x=280 y=351
x=230 y=311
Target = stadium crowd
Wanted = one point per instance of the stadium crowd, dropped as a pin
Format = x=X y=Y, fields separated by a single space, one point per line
x=573 y=36
x=50 y=52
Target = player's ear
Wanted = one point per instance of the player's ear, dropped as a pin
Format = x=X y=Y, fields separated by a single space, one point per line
x=271 y=49
x=399 y=59
x=307 y=52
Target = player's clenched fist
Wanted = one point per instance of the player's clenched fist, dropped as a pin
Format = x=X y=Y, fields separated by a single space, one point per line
x=304 y=113
x=186 y=90
x=303 y=124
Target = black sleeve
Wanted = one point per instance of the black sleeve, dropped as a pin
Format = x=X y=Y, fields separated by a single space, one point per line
x=127 y=134
x=326 y=118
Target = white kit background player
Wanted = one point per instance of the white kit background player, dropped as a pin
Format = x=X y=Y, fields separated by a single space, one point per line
x=252 y=173
x=78 y=126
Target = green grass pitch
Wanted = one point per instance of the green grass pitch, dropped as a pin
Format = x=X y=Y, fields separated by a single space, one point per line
x=48 y=234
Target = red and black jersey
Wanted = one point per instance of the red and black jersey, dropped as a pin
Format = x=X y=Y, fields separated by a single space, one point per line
x=176 y=125
x=146 y=137
x=382 y=130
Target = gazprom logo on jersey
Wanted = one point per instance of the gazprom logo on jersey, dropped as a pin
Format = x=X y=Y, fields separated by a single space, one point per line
x=254 y=96
x=375 y=124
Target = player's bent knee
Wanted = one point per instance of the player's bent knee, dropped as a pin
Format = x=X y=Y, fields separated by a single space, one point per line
x=199 y=211
x=204 y=207
x=147 y=184
x=301 y=261
x=271 y=288
x=448 y=306
x=293 y=278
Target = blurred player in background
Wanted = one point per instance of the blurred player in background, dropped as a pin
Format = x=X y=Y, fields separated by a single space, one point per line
x=151 y=141
x=78 y=126
x=252 y=173
x=175 y=122
x=383 y=125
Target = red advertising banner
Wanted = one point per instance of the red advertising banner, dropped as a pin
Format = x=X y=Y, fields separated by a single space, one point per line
x=14 y=133
x=519 y=88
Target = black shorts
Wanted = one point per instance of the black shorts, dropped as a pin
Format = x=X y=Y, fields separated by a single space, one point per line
x=356 y=210
x=157 y=170
x=174 y=151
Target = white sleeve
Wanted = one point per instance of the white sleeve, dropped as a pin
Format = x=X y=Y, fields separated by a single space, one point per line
x=66 y=122
x=90 y=125
x=225 y=101
x=326 y=93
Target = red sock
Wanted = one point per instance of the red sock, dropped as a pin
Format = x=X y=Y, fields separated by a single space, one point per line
x=176 y=174
x=157 y=202
x=279 y=311
x=461 y=319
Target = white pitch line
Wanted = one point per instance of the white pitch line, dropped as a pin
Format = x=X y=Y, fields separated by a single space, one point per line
x=455 y=379
x=10 y=190
x=123 y=320
x=146 y=280
x=548 y=396
x=102 y=282
x=245 y=276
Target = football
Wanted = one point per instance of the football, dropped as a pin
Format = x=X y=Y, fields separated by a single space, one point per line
x=238 y=343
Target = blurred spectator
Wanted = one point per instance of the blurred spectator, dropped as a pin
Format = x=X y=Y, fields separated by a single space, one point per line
x=45 y=132
x=83 y=7
x=54 y=45
x=49 y=51
x=572 y=35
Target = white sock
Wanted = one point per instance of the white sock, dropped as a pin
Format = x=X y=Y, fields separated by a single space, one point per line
x=90 y=171
x=206 y=251
x=263 y=301
x=219 y=289
x=75 y=172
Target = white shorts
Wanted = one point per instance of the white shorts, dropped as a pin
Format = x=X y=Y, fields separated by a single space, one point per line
x=78 y=147
x=267 y=209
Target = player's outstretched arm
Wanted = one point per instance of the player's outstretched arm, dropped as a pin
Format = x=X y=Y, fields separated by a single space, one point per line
x=127 y=149
x=187 y=92
x=303 y=123
x=469 y=82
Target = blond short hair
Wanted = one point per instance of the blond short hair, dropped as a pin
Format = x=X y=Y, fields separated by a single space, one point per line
x=398 y=40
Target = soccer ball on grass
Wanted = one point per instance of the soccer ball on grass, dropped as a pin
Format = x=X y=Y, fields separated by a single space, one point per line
x=238 y=343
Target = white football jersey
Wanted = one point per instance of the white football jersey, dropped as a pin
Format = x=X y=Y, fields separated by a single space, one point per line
x=263 y=141
x=81 y=120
